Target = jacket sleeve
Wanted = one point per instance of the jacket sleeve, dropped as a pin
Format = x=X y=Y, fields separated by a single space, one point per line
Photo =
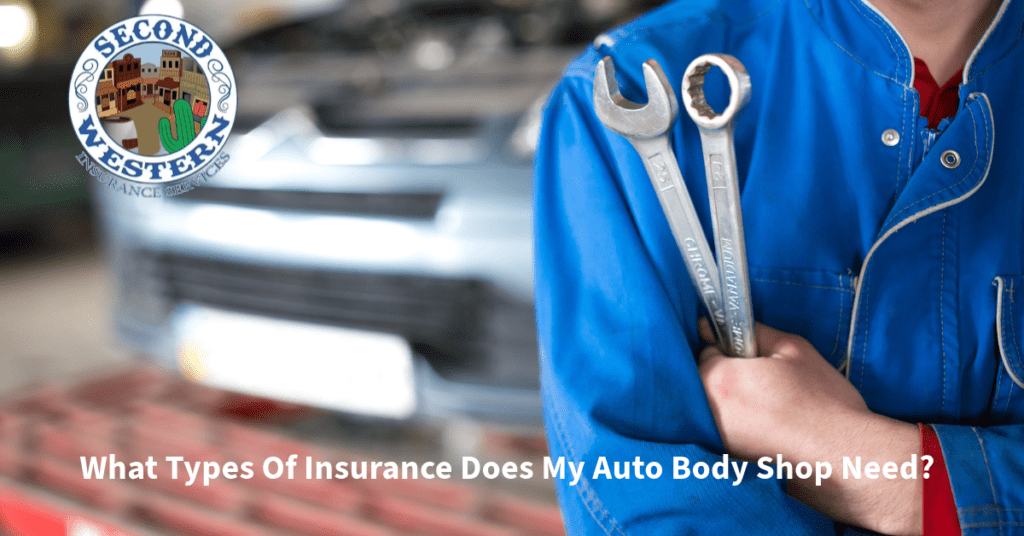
x=617 y=321
x=986 y=471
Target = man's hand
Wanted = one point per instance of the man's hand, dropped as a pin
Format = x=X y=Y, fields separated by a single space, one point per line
x=793 y=403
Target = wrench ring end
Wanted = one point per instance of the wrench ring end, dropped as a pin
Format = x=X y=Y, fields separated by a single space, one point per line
x=693 y=90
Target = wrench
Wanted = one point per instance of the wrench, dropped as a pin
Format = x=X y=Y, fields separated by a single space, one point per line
x=716 y=137
x=646 y=126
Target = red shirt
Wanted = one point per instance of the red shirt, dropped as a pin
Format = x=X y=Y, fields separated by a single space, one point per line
x=937 y=102
x=938 y=510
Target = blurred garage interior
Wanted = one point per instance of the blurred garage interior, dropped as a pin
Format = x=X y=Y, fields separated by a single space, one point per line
x=357 y=280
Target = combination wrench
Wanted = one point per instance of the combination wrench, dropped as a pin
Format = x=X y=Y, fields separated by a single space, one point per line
x=723 y=287
x=716 y=136
x=646 y=126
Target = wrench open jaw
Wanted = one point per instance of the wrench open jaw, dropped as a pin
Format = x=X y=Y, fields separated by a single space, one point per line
x=630 y=119
x=647 y=126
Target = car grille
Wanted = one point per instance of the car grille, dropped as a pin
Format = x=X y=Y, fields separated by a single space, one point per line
x=465 y=328
x=416 y=205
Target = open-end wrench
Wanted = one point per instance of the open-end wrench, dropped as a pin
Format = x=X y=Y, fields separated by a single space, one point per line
x=716 y=136
x=646 y=126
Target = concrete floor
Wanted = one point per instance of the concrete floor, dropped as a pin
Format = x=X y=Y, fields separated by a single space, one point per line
x=55 y=320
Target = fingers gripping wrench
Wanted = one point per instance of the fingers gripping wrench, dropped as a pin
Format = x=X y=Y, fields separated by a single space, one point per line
x=646 y=127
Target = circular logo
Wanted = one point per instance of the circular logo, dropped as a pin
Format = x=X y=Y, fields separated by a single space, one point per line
x=153 y=100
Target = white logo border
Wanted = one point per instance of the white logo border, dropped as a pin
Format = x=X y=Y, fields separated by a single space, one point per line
x=85 y=80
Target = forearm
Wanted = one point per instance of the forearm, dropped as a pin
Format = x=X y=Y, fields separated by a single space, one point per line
x=793 y=404
x=888 y=506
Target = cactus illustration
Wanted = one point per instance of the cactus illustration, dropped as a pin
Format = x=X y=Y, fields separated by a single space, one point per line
x=186 y=128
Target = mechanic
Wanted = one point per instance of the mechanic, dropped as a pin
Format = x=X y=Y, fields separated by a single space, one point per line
x=883 y=211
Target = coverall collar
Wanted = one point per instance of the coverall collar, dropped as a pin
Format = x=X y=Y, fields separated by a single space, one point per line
x=865 y=34
x=1002 y=35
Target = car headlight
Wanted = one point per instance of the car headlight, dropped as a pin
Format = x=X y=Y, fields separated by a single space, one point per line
x=18 y=32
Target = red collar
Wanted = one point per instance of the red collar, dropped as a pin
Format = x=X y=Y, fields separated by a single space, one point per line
x=937 y=103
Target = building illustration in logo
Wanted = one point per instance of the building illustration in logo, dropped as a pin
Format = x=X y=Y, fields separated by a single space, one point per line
x=150 y=74
x=167 y=90
x=194 y=88
x=106 y=97
x=135 y=99
x=170 y=65
x=127 y=82
x=152 y=100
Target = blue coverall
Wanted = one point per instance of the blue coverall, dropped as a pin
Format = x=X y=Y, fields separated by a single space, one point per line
x=876 y=252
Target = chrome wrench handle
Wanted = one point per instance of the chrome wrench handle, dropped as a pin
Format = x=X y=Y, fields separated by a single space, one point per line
x=646 y=126
x=663 y=170
x=716 y=136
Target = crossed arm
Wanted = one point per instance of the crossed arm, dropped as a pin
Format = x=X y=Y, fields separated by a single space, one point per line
x=792 y=402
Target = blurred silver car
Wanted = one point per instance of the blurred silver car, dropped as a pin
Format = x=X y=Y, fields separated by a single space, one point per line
x=367 y=248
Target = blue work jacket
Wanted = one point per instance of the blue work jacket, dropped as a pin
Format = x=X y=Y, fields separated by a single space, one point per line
x=858 y=238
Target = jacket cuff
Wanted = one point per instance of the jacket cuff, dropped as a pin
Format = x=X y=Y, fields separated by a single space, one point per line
x=938 y=510
x=982 y=464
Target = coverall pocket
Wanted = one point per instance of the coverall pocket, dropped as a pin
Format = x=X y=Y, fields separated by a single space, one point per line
x=813 y=304
x=1009 y=337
